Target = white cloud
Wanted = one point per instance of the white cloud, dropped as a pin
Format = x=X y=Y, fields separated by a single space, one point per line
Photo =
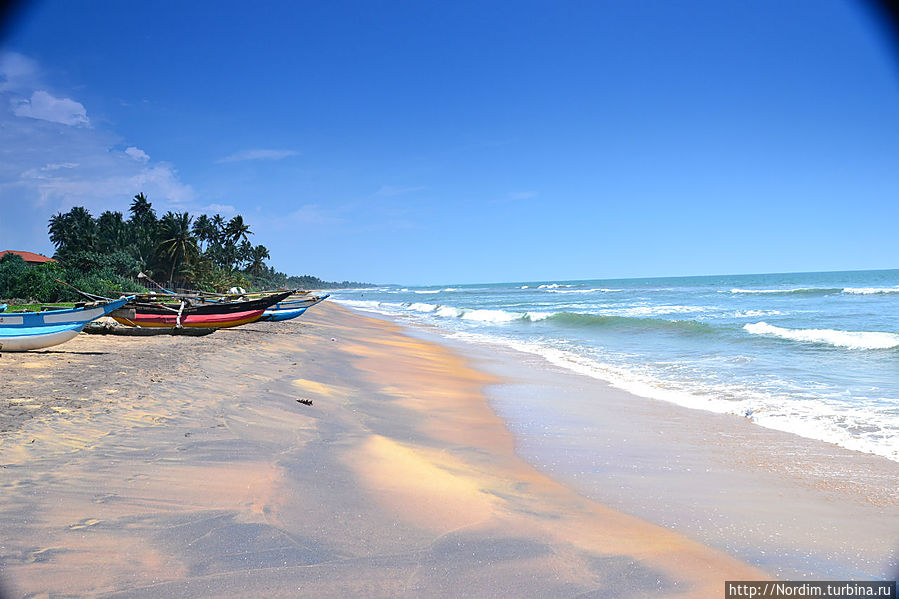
x=88 y=187
x=46 y=107
x=225 y=209
x=54 y=167
x=257 y=155
x=41 y=173
x=523 y=195
x=137 y=154
x=397 y=190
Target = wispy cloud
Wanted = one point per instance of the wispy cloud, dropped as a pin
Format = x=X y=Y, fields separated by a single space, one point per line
x=46 y=107
x=137 y=154
x=16 y=71
x=398 y=190
x=313 y=214
x=225 y=209
x=257 y=154
x=522 y=195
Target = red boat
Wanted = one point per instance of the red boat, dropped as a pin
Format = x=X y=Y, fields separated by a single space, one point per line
x=209 y=315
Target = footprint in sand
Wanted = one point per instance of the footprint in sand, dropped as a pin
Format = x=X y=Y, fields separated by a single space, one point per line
x=43 y=556
x=85 y=524
x=104 y=498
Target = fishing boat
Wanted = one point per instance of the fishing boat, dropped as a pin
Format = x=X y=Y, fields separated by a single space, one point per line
x=290 y=309
x=193 y=312
x=23 y=331
x=114 y=328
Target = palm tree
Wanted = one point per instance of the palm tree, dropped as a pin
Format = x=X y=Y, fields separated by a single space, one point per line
x=177 y=246
x=141 y=210
x=244 y=252
x=60 y=230
x=258 y=256
x=111 y=232
x=74 y=231
x=237 y=230
x=84 y=229
x=219 y=222
x=142 y=230
x=205 y=231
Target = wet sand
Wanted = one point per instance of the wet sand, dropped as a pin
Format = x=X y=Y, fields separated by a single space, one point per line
x=798 y=508
x=147 y=467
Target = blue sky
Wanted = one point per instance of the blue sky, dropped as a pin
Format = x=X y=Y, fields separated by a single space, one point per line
x=424 y=142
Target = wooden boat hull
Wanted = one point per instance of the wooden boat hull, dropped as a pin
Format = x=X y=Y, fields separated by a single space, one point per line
x=274 y=315
x=24 y=331
x=212 y=315
x=95 y=328
x=39 y=339
x=206 y=321
x=291 y=309
x=301 y=303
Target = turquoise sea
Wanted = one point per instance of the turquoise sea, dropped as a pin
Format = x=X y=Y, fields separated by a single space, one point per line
x=816 y=354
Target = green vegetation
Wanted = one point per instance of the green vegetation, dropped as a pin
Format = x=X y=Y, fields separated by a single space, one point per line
x=104 y=255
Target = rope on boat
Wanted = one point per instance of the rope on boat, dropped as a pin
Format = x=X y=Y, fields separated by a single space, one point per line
x=178 y=318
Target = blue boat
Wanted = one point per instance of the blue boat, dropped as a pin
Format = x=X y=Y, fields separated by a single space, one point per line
x=276 y=315
x=23 y=331
x=290 y=309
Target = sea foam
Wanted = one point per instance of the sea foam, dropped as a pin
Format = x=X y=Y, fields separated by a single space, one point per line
x=552 y=286
x=574 y=290
x=870 y=290
x=836 y=338
x=797 y=291
x=822 y=419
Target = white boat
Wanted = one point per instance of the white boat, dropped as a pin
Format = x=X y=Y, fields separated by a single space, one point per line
x=23 y=331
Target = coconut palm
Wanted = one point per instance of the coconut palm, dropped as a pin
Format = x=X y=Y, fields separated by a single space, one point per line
x=244 y=253
x=142 y=230
x=112 y=232
x=177 y=247
x=141 y=210
x=236 y=230
x=205 y=230
x=76 y=230
x=60 y=230
x=258 y=256
x=219 y=221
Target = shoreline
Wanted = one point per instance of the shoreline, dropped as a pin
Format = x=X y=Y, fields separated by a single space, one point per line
x=186 y=468
x=795 y=506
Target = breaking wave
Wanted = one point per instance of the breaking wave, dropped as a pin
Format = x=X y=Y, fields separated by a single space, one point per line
x=870 y=290
x=639 y=320
x=798 y=291
x=833 y=337
x=581 y=290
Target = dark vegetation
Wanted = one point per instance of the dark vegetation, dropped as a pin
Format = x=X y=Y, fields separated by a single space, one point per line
x=104 y=256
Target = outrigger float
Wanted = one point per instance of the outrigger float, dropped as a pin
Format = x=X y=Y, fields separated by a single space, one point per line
x=291 y=309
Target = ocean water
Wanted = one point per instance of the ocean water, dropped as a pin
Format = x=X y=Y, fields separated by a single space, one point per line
x=816 y=354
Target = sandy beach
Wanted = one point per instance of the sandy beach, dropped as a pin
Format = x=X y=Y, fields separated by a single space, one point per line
x=151 y=467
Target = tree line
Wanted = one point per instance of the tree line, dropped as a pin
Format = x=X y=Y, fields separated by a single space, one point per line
x=104 y=255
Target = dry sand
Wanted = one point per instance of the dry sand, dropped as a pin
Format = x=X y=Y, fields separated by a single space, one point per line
x=164 y=467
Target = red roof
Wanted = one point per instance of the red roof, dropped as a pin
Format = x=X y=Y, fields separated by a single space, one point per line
x=29 y=257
